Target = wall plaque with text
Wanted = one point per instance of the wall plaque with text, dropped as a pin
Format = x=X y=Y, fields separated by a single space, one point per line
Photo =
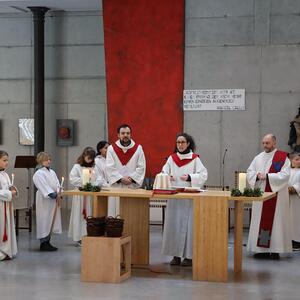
x=217 y=99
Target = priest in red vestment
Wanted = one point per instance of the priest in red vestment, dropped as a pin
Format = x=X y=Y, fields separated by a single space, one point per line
x=269 y=232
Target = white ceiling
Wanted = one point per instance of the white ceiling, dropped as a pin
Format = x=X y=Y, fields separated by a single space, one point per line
x=11 y=6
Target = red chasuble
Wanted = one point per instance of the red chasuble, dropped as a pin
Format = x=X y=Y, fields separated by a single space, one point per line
x=269 y=206
x=182 y=162
x=124 y=157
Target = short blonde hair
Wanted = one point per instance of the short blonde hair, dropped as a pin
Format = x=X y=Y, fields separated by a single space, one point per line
x=42 y=156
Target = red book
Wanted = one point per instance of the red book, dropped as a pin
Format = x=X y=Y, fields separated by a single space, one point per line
x=164 y=192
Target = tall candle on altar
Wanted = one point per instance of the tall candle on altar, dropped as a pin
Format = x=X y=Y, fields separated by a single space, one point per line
x=85 y=176
x=62 y=182
x=242 y=181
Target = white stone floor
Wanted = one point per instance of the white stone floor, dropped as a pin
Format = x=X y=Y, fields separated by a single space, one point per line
x=33 y=275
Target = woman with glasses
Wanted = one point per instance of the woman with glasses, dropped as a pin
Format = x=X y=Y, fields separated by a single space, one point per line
x=186 y=170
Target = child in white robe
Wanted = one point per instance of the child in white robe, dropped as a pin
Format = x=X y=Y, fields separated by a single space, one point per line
x=48 y=198
x=8 y=242
x=100 y=160
x=294 y=192
x=100 y=164
x=81 y=205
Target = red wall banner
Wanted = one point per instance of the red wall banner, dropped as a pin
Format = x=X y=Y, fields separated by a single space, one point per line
x=144 y=57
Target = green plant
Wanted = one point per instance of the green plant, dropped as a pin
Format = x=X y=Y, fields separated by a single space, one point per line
x=90 y=188
x=236 y=193
x=258 y=192
x=248 y=192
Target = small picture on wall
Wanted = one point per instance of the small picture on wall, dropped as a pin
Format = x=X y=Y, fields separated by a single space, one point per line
x=26 y=132
x=65 y=132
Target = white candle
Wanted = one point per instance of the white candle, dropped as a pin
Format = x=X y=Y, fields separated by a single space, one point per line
x=90 y=176
x=85 y=176
x=93 y=175
x=62 y=181
x=12 y=178
x=242 y=181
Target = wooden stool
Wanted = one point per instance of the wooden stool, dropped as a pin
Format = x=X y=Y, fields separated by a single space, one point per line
x=101 y=259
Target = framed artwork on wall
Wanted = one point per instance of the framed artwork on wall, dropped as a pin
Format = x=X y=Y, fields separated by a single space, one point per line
x=26 y=132
x=65 y=132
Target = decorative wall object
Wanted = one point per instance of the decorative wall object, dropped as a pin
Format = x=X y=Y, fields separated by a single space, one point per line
x=26 y=132
x=65 y=132
x=144 y=58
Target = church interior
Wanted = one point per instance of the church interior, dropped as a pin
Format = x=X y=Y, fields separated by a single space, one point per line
x=225 y=72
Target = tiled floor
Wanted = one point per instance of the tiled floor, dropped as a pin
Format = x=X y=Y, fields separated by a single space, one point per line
x=37 y=276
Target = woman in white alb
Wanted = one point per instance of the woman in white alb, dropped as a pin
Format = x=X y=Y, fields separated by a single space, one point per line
x=186 y=170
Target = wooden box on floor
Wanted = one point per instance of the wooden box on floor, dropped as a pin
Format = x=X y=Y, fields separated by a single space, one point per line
x=105 y=259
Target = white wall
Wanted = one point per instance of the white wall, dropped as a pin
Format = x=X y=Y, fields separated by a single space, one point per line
x=251 y=44
x=74 y=89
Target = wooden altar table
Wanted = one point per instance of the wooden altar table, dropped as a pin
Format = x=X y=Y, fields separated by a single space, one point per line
x=210 y=227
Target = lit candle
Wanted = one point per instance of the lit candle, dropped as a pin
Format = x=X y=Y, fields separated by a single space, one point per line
x=93 y=175
x=242 y=181
x=62 y=181
x=85 y=176
x=12 y=178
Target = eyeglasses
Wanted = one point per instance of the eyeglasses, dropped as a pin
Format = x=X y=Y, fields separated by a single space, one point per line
x=181 y=142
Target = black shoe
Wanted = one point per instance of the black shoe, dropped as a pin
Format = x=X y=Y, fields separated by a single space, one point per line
x=47 y=247
x=262 y=255
x=295 y=245
x=187 y=262
x=274 y=256
x=175 y=261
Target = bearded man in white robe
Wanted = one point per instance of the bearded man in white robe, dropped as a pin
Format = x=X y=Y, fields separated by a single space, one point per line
x=269 y=232
x=125 y=162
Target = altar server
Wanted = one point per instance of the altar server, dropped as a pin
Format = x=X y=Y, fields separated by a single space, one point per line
x=83 y=172
x=48 y=199
x=269 y=232
x=186 y=170
x=125 y=162
x=294 y=192
x=8 y=242
x=100 y=160
x=100 y=163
